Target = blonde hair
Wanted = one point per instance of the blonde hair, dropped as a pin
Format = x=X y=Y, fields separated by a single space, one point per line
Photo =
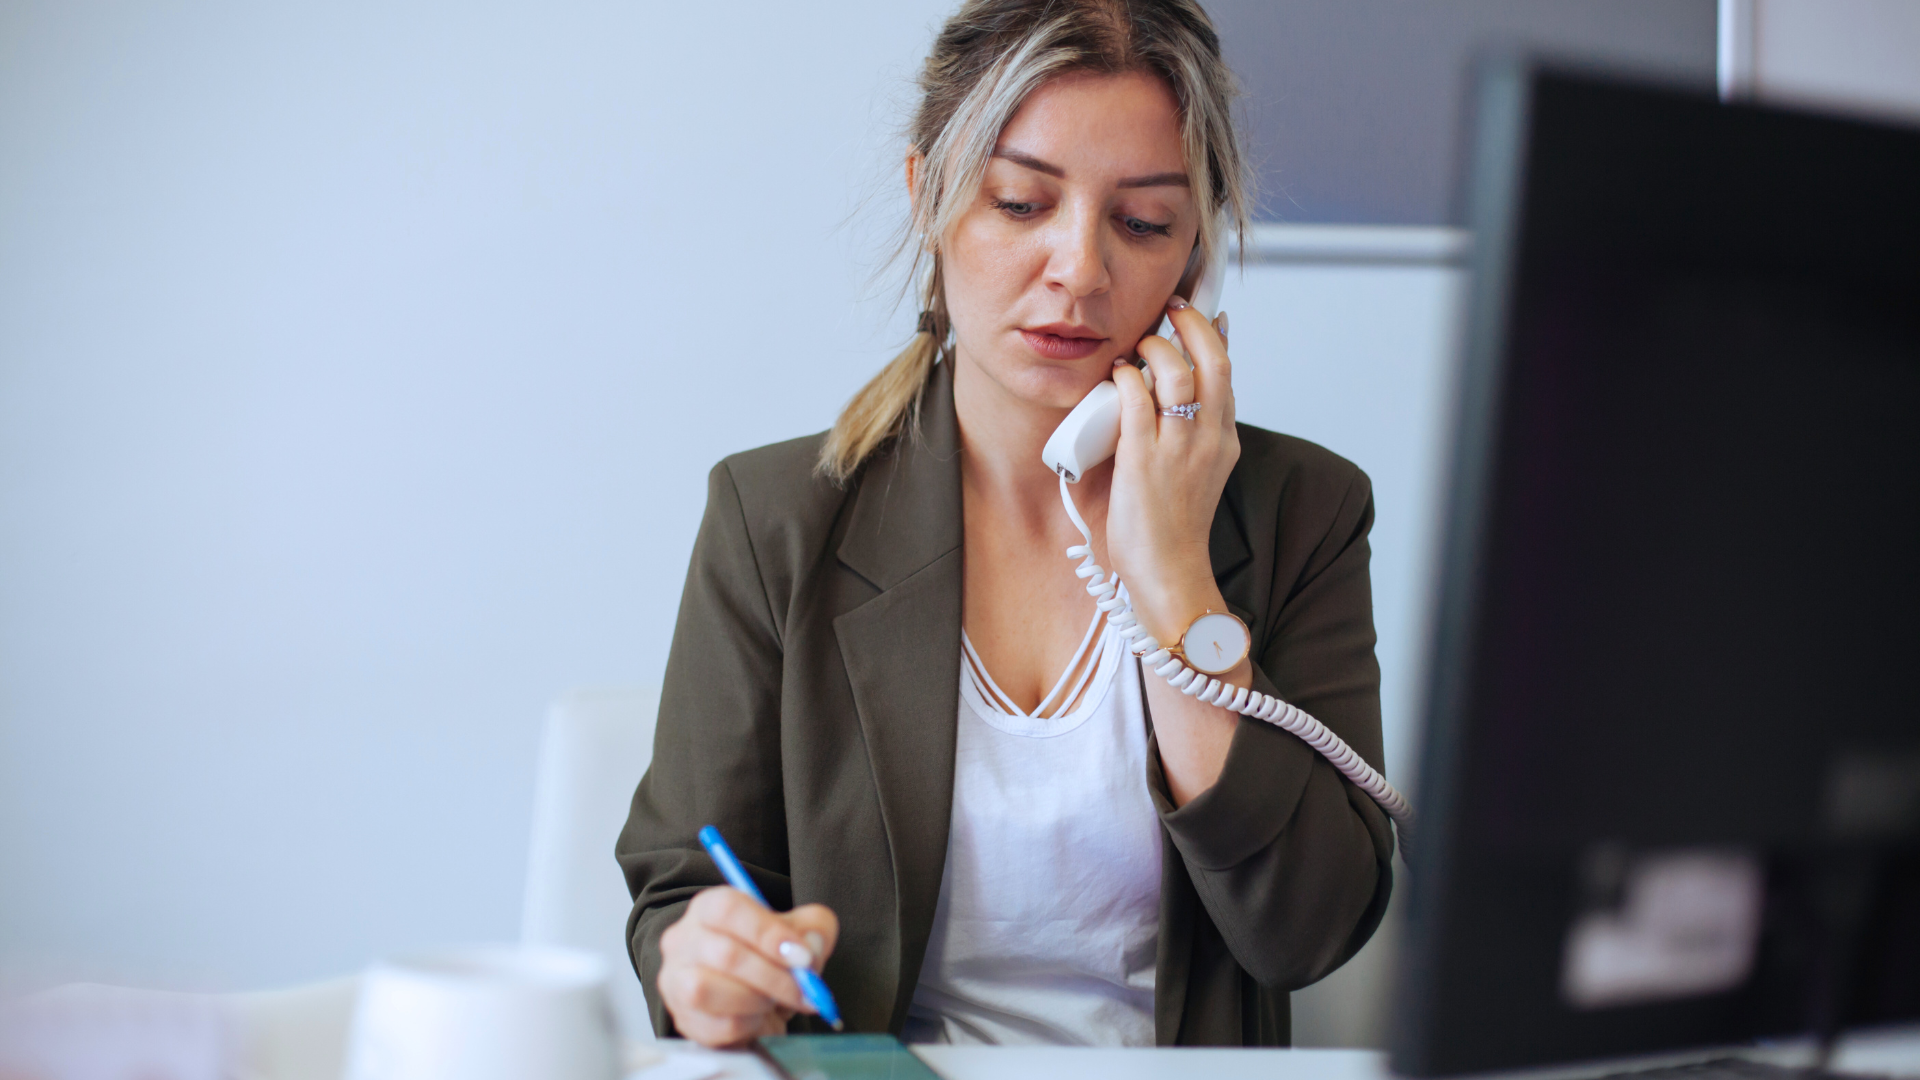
x=988 y=58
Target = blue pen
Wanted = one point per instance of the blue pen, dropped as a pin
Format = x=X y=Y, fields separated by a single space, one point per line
x=812 y=986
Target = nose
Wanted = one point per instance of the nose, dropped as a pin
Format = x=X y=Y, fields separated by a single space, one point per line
x=1076 y=259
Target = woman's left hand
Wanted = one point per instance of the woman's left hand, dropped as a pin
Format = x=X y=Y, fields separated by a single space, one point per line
x=1168 y=475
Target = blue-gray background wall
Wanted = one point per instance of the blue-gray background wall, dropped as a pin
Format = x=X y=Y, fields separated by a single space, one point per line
x=361 y=364
x=1355 y=106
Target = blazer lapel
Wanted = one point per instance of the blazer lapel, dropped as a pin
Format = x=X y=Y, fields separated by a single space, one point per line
x=902 y=654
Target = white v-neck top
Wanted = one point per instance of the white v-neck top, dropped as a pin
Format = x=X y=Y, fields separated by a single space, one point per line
x=1049 y=907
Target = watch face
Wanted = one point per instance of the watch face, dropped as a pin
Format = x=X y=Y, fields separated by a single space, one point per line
x=1215 y=643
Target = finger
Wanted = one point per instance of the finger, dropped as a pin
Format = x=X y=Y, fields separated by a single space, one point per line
x=729 y=956
x=733 y=912
x=1172 y=377
x=718 y=1032
x=694 y=989
x=819 y=929
x=774 y=1023
x=1212 y=370
x=1139 y=424
x=1220 y=327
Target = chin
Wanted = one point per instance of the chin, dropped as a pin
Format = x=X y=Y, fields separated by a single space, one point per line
x=1052 y=384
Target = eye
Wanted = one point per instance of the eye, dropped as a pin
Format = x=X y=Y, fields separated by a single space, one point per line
x=1137 y=227
x=1014 y=209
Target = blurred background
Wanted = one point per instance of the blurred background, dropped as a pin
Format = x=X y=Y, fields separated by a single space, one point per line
x=361 y=365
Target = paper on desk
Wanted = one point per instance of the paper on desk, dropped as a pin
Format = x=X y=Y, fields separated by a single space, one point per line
x=693 y=1066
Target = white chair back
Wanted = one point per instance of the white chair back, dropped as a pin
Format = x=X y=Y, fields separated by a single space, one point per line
x=596 y=745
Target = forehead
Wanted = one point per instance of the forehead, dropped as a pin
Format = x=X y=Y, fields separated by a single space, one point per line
x=1100 y=126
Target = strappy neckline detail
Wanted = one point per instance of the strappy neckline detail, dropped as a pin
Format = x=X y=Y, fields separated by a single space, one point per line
x=1074 y=697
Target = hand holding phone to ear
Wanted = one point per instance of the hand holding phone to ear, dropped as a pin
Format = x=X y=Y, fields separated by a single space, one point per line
x=1169 y=471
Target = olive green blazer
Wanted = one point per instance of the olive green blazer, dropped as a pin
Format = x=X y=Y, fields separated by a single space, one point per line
x=811 y=701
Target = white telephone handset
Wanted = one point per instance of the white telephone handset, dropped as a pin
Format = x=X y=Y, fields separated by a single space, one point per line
x=1088 y=436
x=1091 y=432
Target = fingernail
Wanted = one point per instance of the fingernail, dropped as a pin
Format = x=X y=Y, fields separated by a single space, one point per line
x=1119 y=360
x=1176 y=303
x=815 y=942
x=1220 y=324
x=796 y=954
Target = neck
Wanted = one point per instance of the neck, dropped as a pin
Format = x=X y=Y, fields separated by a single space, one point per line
x=1001 y=437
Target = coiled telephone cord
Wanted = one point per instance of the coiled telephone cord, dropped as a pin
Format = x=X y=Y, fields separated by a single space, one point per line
x=1111 y=597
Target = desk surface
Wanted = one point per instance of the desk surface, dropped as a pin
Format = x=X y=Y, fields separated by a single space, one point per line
x=1893 y=1053
x=1066 y=1062
x=1157 y=1063
x=301 y=1034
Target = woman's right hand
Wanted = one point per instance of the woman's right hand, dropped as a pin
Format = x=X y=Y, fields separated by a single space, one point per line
x=722 y=974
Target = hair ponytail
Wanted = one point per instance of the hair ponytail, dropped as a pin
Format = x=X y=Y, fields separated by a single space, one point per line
x=889 y=405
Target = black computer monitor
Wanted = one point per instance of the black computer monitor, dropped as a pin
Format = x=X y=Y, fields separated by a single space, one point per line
x=1670 y=788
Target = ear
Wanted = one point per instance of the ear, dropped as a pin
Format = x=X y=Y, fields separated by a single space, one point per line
x=914 y=161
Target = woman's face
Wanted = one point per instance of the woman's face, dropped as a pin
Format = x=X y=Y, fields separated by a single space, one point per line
x=1081 y=230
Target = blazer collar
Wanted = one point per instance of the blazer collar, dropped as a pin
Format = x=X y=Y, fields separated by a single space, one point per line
x=906 y=511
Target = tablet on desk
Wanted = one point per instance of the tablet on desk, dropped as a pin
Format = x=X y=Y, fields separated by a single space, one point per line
x=843 y=1057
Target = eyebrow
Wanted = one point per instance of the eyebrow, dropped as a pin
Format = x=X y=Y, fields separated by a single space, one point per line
x=1028 y=161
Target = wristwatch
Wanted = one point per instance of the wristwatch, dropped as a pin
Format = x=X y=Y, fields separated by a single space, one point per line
x=1214 y=643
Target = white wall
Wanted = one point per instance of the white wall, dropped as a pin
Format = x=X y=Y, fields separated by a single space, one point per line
x=360 y=367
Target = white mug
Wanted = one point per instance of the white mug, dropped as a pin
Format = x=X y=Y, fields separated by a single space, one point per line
x=485 y=1013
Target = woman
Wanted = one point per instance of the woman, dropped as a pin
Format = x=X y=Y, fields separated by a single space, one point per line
x=897 y=702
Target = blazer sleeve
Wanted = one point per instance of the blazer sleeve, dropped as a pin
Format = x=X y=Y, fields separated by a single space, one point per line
x=1292 y=861
x=716 y=750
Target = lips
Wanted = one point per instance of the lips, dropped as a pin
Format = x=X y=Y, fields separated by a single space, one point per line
x=1060 y=341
